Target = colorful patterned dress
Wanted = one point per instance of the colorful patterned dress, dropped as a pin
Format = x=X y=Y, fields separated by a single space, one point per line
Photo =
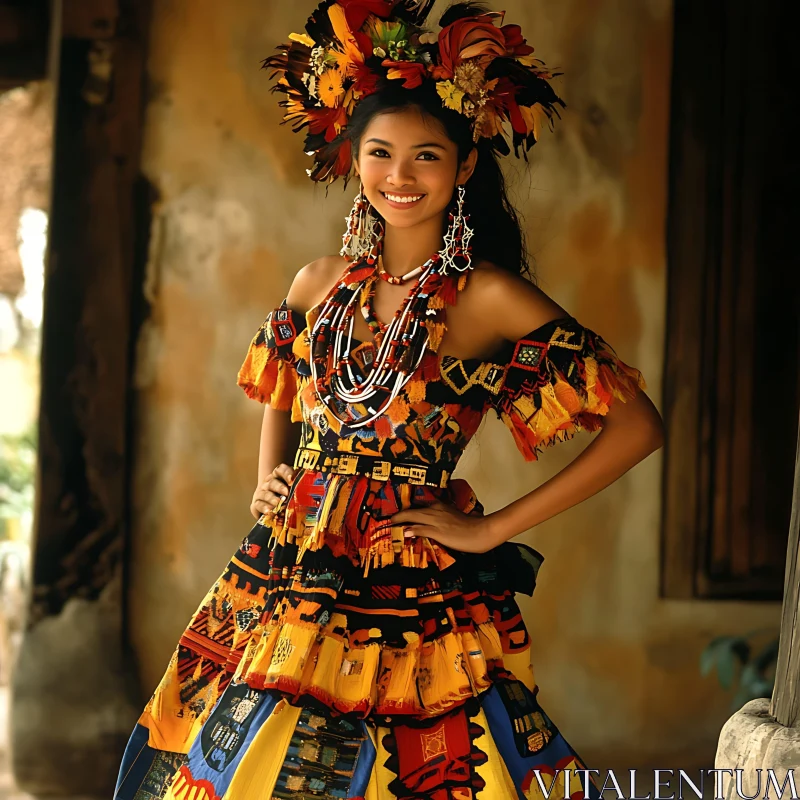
x=335 y=658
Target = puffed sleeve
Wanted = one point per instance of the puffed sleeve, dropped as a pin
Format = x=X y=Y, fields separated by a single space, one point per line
x=561 y=378
x=269 y=372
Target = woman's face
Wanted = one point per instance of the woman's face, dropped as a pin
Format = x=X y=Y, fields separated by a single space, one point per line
x=409 y=167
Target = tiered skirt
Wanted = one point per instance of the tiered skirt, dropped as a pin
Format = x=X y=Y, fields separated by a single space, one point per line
x=334 y=658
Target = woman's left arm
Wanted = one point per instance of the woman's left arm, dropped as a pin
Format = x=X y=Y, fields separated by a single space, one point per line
x=631 y=431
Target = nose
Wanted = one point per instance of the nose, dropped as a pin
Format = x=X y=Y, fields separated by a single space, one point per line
x=401 y=174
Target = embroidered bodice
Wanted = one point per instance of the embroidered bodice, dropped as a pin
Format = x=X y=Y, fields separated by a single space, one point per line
x=556 y=380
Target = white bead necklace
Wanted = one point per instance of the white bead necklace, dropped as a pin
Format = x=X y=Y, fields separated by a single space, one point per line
x=338 y=313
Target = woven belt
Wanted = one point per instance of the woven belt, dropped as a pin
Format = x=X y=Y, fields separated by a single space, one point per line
x=376 y=468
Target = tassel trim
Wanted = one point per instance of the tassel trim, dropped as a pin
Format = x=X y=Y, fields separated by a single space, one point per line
x=268 y=373
x=423 y=679
x=266 y=377
x=558 y=410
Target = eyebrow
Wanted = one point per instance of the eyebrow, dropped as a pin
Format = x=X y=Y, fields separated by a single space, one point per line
x=389 y=144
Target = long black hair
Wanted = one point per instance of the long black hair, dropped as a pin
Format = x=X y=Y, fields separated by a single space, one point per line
x=499 y=237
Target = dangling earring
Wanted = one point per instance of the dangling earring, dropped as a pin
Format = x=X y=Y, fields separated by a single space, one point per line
x=457 y=251
x=361 y=240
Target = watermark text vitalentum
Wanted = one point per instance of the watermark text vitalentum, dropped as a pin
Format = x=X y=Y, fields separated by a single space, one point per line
x=670 y=784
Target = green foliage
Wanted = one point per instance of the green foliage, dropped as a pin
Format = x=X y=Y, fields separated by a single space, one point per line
x=17 y=473
x=756 y=674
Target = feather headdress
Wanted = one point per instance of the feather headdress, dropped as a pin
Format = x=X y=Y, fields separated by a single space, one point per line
x=351 y=48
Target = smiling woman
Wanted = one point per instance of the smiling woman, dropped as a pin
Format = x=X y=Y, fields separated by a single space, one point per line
x=399 y=172
x=415 y=144
x=365 y=641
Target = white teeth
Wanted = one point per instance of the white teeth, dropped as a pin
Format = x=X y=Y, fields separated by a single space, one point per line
x=396 y=199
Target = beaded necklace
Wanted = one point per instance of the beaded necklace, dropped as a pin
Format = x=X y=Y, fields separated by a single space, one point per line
x=395 y=280
x=399 y=346
x=376 y=327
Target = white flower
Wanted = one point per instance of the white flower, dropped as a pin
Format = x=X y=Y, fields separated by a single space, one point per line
x=317 y=59
x=311 y=84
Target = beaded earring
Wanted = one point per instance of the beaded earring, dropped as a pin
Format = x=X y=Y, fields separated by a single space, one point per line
x=457 y=252
x=361 y=240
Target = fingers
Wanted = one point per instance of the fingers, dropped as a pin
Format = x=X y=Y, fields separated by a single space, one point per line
x=270 y=493
x=414 y=524
x=284 y=472
x=278 y=482
x=259 y=507
x=275 y=488
x=419 y=516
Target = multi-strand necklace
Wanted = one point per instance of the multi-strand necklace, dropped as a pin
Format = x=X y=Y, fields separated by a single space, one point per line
x=340 y=383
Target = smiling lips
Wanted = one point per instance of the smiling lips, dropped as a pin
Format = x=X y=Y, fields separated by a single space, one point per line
x=402 y=200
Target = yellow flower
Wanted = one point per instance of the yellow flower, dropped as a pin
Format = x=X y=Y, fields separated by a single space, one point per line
x=330 y=88
x=302 y=38
x=450 y=94
x=350 y=55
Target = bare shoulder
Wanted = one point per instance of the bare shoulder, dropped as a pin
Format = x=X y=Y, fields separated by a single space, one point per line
x=314 y=281
x=514 y=304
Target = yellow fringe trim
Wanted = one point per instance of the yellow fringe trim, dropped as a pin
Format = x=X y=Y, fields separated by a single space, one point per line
x=436 y=331
x=562 y=412
x=415 y=391
x=266 y=377
x=424 y=680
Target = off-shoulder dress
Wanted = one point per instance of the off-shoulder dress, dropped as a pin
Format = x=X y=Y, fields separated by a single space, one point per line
x=336 y=658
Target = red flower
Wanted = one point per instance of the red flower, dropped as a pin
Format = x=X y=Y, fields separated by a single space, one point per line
x=365 y=80
x=515 y=42
x=410 y=72
x=357 y=11
x=468 y=37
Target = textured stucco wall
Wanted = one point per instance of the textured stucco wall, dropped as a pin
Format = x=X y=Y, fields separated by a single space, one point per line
x=237 y=217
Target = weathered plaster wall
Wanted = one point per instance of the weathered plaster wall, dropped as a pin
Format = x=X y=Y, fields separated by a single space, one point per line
x=237 y=217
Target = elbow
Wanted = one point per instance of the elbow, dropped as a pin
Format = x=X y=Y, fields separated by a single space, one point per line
x=645 y=438
x=653 y=430
x=640 y=423
x=657 y=435
x=649 y=423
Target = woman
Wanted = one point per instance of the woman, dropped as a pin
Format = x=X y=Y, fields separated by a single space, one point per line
x=364 y=641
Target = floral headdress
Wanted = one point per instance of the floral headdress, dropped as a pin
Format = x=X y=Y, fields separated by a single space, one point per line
x=352 y=48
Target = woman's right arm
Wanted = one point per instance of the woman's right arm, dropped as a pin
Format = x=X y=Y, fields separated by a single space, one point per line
x=279 y=435
x=279 y=439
